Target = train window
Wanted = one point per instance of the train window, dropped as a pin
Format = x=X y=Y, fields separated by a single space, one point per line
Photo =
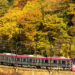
x=6 y=58
x=55 y=61
x=12 y=58
x=18 y=59
x=68 y=62
x=31 y=60
x=73 y=61
x=46 y=61
x=2 y=57
x=24 y=59
x=9 y=58
x=27 y=59
x=38 y=60
x=63 y=62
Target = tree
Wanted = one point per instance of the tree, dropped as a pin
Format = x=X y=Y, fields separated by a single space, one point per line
x=3 y=7
x=40 y=24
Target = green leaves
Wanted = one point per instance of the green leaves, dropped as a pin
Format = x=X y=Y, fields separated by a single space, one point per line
x=71 y=31
x=3 y=7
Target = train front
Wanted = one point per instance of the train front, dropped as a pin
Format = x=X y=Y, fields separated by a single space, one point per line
x=73 y=65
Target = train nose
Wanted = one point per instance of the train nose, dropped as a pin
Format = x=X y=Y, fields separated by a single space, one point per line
x=73 y=68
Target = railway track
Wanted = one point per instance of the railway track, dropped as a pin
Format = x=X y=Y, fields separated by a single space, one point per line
x=29 y=69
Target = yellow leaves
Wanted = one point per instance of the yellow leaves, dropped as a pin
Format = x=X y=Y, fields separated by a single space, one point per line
x=9 y=22
x=16 y=2
x=29 y=20
x=54 y=20
x=3 y=2
x=73 y=47
x=30 y=17
x=30 y=36
x=17 y=16
x=3 y=7
x=37 y=17
x=71 y=31
x=34 y=14
x=13 y=14
x=31 y=6
x=20 y=3
x=71 y=9
x=9 y=27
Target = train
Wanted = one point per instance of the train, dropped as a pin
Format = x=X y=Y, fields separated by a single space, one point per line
x=59 y=63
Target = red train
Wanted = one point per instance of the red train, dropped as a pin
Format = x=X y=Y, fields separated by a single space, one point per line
x=39 y=62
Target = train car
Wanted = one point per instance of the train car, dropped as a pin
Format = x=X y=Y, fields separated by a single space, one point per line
x=73 y=65
x=61 y=63
x=38 y=62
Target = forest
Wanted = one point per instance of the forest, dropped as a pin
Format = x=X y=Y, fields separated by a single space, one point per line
x=39 y=27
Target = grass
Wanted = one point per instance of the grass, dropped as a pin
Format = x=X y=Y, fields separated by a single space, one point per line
x=8 y=70
x=41 y=73
x=14 y=73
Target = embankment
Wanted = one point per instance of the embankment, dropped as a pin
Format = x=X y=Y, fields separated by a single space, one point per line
x=7 y=70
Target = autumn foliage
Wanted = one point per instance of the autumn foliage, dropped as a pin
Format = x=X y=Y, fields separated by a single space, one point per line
x=43 y=26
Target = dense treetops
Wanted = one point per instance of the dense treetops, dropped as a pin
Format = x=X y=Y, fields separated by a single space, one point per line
x=43 y=27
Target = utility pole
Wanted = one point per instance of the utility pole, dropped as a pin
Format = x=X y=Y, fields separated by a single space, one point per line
x=16 y=58
x=36 y=41
x=70 y=43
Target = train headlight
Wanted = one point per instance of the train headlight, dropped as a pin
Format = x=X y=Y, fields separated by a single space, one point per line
x=73 y=66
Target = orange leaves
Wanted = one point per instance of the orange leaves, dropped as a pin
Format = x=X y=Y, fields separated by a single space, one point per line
x=30 y=18
x=20 y=3
x=34 y=14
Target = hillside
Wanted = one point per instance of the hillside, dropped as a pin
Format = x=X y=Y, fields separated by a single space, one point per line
x=43 y=27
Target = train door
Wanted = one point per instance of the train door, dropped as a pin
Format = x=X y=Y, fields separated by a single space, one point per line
x=2 y=59
x=51 y=62
x=30 y=61
x=34 y=61
x=59 y=64
x=42 y=61
x=64 y=64
x=24 y=60
x=38 y=62
x=68 y=64
x=6 y=59
x=9 y=59
x=47 y=62
x=54 y=63
x=18 y=60
x=12 y=59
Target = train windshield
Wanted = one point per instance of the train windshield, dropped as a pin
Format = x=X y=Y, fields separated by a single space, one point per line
x=73 y=61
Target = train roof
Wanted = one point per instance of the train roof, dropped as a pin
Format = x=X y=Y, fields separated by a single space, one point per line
x=8 y=53
x=58 y=57
x=32 y=56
